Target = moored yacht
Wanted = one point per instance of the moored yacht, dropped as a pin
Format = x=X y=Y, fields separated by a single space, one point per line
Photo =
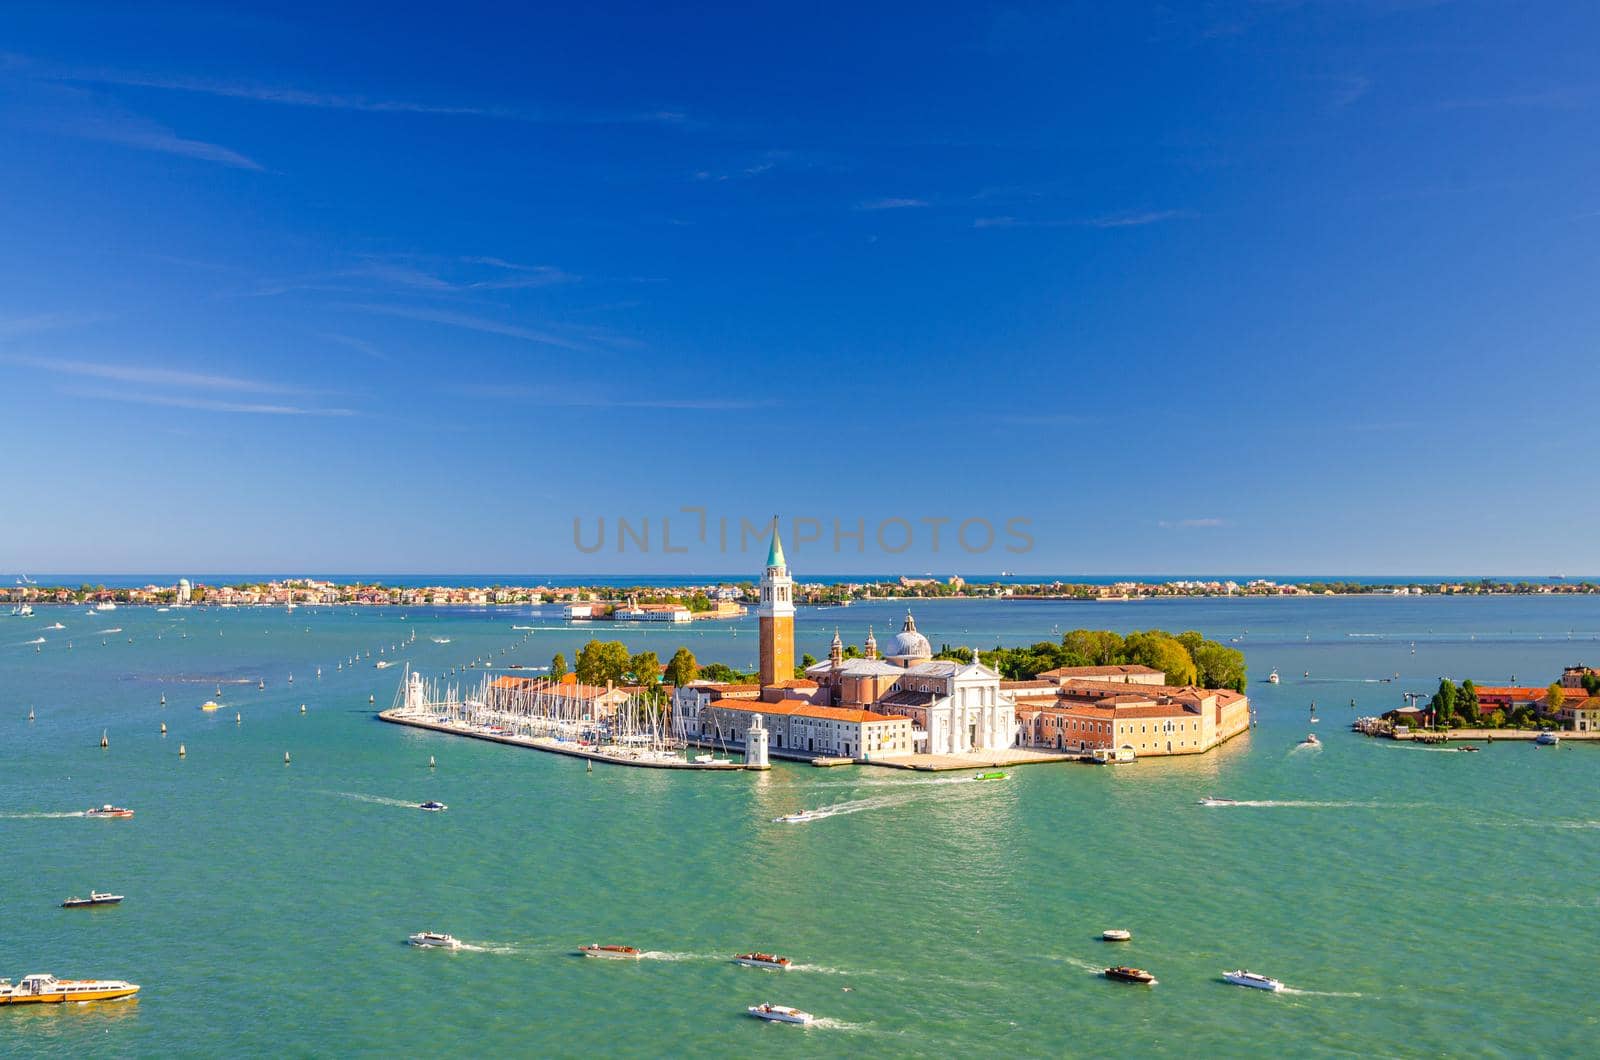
x=615 y=953
x=434 y=940
x=763 y=960
x=44 y=988
x=780 y=1014
x=1240 y=977
x=108 y=810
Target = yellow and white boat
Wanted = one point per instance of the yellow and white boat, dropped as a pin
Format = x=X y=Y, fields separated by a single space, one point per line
x=211 y=704
x=44 y=988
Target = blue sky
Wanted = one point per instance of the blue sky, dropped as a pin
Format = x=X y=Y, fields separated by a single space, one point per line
x=1227 y=286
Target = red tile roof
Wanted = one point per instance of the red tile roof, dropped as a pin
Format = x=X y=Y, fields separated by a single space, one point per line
x=800 y=708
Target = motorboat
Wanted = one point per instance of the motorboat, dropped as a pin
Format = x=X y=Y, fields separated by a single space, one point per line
x=1124 y=974
x=433 y=806
x=1469 y=747
x=434 y=940
x=1273 y=678
x=210 y=705
x=799 y=818
x=1240 y=977
x=108 y=810
x=1210 y=800
x=46 y=989
x=615 y=953
x=106 y=606
x=95 y=898
x=763 y=960
x=1311 y=740
x=1116 y=935
x=780 y=1014
x=1546 y=739
x=993 y=775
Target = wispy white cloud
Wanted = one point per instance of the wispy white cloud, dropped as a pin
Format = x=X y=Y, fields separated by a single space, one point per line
x=1191 y=524
x=892 y=204
x=144 y=135
x=12 y=327
x=359 y=345
x=178 y=401
x=144 y=374
x=473 y=323
x=1122 y=220
x=567 y=398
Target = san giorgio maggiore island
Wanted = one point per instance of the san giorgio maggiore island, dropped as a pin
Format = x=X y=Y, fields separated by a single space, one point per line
x=897 y=707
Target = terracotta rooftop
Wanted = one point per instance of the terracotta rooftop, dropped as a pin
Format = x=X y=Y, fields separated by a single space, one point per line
x=1100 y=671
x=801 y=709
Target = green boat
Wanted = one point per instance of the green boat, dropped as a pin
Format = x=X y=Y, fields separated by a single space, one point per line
x=996 y=775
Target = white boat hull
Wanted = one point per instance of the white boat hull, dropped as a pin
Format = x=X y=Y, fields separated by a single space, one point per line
x=1254 y=982
x=774 y=1014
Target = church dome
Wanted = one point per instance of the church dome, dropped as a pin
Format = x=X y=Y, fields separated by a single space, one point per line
x=908 y=643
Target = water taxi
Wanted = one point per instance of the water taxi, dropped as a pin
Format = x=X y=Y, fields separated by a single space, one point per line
x=799 y=818
x=95 y=898
x=210 y=705
x=108 y=810
x=995 y=775
x=44 y=988
x=615 y=953
x=1116 y=935
x=434 y=940
x=763 y=960
x=1124 y=974
x=780 y=1014
x=1240 y=977
x=435 y=807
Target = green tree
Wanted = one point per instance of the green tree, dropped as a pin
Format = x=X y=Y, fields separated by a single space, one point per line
x=807 y=659
x=1099 y=646
x=1467 y=705
x=1161 y=651
x=1443 y=702
x=1591 y=684
x=602 y=661
x=682 y=669
x=723 y=674
x=558 y=666
x=1219 y=666
x=645 y=668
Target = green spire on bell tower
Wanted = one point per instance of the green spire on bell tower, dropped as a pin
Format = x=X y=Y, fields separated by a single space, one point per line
x=775 y=553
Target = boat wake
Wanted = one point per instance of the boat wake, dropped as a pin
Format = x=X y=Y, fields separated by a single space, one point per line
x=1319 y=993
x=827 y=1024
x=488 y=947
x=36 y=640
x=113 y=629
x=669 y=955
x=378 y=800
x=1087 y=966
x=1310 y=804
x=839 y=809
x=820 y=969
x=39 y=816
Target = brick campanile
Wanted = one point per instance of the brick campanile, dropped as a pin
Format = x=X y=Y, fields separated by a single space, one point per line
x=776 y=615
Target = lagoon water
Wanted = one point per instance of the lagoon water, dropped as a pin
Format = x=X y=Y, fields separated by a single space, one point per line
x=1417 y=902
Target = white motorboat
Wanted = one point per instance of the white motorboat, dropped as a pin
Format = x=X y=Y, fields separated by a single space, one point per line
x=1311 y=740
x=1116 y=935
x=799 y=818
x=1546 y=739
x=1273 y=678
x=434 y=940
x=1240 y=977
x=106 y=606
x=780 y=1014
x=433 y=806
x=763 y=960
x=1210 y=800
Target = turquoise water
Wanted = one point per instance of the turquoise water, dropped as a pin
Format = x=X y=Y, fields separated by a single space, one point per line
x=1418 y=902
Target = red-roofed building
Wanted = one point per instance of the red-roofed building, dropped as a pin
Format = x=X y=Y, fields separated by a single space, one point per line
x=799 y=729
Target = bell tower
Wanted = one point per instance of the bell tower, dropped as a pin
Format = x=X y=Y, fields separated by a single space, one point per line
x=776 y=615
